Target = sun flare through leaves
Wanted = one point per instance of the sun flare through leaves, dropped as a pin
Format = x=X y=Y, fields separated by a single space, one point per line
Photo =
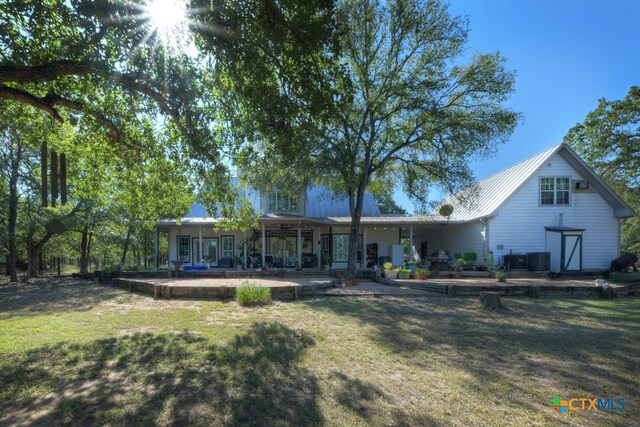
x=168 y=20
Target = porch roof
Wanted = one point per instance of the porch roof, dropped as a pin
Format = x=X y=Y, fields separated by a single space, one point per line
x=398 y=220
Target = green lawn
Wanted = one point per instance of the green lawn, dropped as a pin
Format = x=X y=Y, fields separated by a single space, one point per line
x=80 y=354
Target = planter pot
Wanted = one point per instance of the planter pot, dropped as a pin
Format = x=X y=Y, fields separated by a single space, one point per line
x=403 y=274
x=326 y=267
x=391 y=274
x=421 y=276
x=350 y=282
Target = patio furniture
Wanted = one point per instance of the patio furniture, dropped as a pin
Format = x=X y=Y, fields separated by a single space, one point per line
x=225 y=262
x=309 y=260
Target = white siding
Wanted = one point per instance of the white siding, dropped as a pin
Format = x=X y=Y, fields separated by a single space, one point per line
x=520 y=221
x=193 y=232
x=456 y=238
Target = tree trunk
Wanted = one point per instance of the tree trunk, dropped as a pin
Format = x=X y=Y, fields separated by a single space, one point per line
x=54 y=178
x=490 y=301
x=16 y=158
x=44 y=186
x=144 y=250
x=35 y=249
x=126 y=243
x=356 y=205
x=89 y=247
x=84 y=253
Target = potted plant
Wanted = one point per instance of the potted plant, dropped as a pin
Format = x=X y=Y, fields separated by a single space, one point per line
x=326 y=261
x=404 y=273
x=389 y=271
x=349 y=279
x=469 y=258
x=411 y=265
x=421 y=274
x=238 y=262
x=459 y=263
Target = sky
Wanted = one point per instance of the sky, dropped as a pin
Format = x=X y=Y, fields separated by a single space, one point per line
x=567 y=55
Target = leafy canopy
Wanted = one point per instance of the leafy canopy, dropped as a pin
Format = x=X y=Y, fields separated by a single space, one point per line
x=406 y=110
x=609 y=140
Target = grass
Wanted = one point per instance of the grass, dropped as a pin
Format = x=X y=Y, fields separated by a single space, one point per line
x=250 y=294
x=76 y=353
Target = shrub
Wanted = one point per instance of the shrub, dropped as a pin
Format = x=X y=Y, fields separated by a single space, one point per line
x=387 y=266
x=111 y=268
x=501 y=276
x=250 y=294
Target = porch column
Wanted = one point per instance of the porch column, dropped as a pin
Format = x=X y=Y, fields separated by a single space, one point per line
x=364 y=246
x=412 y=250
x=264 y=245
x=200 y=243
x=155 y=249
x=299 y=246
x=244 y=244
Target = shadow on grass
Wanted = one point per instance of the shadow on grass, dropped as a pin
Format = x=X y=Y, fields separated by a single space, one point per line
x=53 y=294
x=148 y=379
x=569 y=346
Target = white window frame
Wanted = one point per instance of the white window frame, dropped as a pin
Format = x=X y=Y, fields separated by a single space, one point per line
x=187 y=257
x=555 y=190
x=226 y=252
x=276 y=202
x=339 y=248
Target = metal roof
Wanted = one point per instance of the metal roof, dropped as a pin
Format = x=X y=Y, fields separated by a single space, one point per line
x=486 y=196
x=321 y=203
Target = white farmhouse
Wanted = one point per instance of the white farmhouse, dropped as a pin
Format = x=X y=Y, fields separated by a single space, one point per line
x=549 y=212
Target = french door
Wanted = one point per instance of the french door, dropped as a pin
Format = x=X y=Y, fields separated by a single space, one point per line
x=209 y=251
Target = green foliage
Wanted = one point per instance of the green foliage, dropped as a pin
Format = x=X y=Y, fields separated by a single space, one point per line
x=501 y=276
x=382 y=190
x=249 y=294
x=348 y=275
x=134 y=99
x=608 y=140
x=387 y=266
x=446 y=210
x=405 y=106
x=491 y=262
x=421 y=273
x=326 y=259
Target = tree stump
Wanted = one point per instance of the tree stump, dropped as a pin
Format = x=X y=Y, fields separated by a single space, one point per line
x=534 y=291
x=491 y=301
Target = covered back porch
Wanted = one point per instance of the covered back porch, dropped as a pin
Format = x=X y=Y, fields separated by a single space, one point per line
x=286 y=242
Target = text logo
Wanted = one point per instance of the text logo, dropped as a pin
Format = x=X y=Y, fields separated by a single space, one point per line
x=586 y=404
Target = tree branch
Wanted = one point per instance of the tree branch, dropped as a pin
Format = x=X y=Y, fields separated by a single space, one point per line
x=43 y=73
x=18 y=95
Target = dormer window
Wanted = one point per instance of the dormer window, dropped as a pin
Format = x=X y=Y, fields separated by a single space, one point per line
x=282 y=202
x=554 y=191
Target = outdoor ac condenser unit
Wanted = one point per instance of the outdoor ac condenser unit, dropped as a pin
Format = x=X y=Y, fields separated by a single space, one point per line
x=581 y=185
